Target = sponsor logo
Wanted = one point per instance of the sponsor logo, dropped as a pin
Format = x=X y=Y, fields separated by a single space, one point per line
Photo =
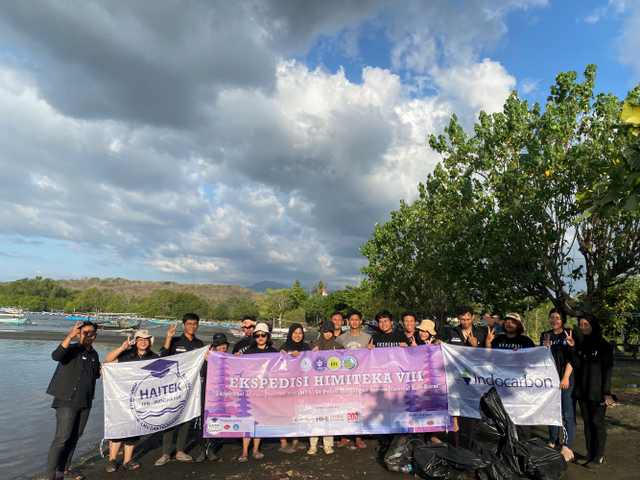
x=213 y=426
x=319 y=364
x=349 y=363
x=160 y=398
x=354 y=417
x=227 y=427
x=236 y=427
x=510 y=382
x=305 y=365
x=334 y=364
x=430 y=422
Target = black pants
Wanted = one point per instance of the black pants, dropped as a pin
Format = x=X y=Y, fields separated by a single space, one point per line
x=524 y=432
x=595 y=432
x=181 y=442
x=70 y=423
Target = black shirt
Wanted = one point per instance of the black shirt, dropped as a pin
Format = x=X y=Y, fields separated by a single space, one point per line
x=502 y=342
x=181 y=345
x=391 y=339
x=255 y=349
x=594 y=365
x=559 y=351
x=242 y=345
x=74 y=382
x=416 y=337
x=131 y=355
x=456 y=337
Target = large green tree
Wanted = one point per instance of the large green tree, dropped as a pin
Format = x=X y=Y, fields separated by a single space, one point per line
x=498 y=220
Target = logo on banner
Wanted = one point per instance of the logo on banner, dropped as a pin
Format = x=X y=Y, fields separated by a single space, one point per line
x=460 y=376
x=493 y=380
x=159 y=399
x=319 y=364
x=305 y=365
x=349 y=363
x=334 y=364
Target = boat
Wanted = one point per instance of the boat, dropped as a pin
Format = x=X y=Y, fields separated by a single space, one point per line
x=13 y=320
x=163 y=320
x=12 y=313
x=118 y=327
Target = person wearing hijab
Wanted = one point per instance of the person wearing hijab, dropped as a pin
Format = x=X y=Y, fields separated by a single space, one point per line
x=130 y=351
x=327 y=341
x=592 y=359
x=556 y=340
x=293 y=346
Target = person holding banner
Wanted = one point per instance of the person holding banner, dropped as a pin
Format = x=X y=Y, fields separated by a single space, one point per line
x=512 y=339
x=73 y=387
x=293 y=346
x=351 y=340
x=593 y=362
x=466 y=334
x=261 y=343
x=409 y=321
x=556 y=340
x=139 y=349
x=327 y=342
x=388 y=337
x=248 y=325
x=338 y=321
x=173 y=346
x=427 y=332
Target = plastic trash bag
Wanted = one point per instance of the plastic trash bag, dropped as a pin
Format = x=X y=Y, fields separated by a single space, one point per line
x=539 y=461
x=398 y=457
x=496 y=469
x=444 y=461
x=496 y=432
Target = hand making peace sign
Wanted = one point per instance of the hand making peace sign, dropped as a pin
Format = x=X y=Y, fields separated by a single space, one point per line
x=570 y=340
x=172 y=331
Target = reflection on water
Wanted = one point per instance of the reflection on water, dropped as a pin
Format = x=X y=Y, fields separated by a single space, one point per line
x=26 y=417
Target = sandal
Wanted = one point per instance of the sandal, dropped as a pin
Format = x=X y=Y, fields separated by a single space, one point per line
x=112 y=466
x=184 y=458
x=131 y=465
x=299 y=446
x=287 y=449
x=361 y=445
x=243 y=458
x=73 y=475
x=343 y=443
x=163 y=460
x=258 y=455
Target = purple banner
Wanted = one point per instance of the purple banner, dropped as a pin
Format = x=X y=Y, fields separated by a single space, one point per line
x=383 y=390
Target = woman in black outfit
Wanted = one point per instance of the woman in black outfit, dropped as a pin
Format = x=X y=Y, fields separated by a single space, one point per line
x=592 y=359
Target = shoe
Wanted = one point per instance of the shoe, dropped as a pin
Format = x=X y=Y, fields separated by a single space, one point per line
x=312 y=451
x=584 y=460
x=202 y=457
x=597 y=462
x=328 y=450
x=287 y=449
x=211 y=455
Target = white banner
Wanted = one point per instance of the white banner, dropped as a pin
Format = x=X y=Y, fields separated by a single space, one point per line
x=526 y=380
x=151 y=395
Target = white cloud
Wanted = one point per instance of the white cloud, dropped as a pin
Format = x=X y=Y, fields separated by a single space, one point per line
x=528 y=85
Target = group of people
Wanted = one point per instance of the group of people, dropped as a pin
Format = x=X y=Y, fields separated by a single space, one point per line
x=584 y=367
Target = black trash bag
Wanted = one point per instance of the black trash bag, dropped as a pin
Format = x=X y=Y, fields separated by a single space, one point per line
x=539 y=461
x=496 y=433
x=398 y=457
x=444 y=461
x=496 y=468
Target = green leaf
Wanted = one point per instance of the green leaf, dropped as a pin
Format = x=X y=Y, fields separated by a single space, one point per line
x=631 y=203
x=630 y=113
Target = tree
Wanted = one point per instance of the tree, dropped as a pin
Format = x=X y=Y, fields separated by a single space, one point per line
x=275 y=303
x=498 y=221
x=616 y=187
x=298 y=295
x=319 y=288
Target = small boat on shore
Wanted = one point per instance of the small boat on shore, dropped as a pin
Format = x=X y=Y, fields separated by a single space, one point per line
x=119 y=327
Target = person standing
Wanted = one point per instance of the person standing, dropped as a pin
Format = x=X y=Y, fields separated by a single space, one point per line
x=556 y=340
x=409 y=322
x=593 y=362
x=338 y=321
x=174 y=346
x=327 y=341
x=73 y=387
x=427 y=332
x=466 y=334
x=138 y=350
x=387 y=337
x=351 y=340
x=248 y=325
x=512 y=339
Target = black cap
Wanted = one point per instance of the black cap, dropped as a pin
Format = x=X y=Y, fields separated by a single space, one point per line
x=219 y=339
x=328 y=326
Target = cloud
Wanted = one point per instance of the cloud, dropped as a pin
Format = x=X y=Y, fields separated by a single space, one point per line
x=611 y=9
x=188 y=141
x=528 y=85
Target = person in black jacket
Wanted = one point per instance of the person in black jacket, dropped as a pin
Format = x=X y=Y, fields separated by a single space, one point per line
x=387 y=337
x=73 y=386
x=248 y=325
x=173 y=346
x=136 y=351
x=592 y=359
x=556 y=340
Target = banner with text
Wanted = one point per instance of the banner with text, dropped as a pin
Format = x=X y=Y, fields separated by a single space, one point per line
x=526 y=380
x=151 y=395
x=384 y=390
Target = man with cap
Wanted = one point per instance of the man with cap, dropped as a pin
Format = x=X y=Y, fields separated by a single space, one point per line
x=73 y=386
x=173 y=346
x=512 y=339
x=248 y=326
x=219 y=343
x=130 y=351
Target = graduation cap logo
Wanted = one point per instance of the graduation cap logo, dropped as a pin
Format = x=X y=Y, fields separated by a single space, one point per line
x=161 y=367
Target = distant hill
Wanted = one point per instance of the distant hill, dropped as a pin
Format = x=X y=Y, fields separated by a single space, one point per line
x=262 y=286
x=139 y=289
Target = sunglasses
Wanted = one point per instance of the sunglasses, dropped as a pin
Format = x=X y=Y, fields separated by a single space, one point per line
x=260 y=335
x=89 y=333
x=248 y=327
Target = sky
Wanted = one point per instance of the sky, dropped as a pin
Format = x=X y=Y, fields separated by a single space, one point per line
x=237 y=142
